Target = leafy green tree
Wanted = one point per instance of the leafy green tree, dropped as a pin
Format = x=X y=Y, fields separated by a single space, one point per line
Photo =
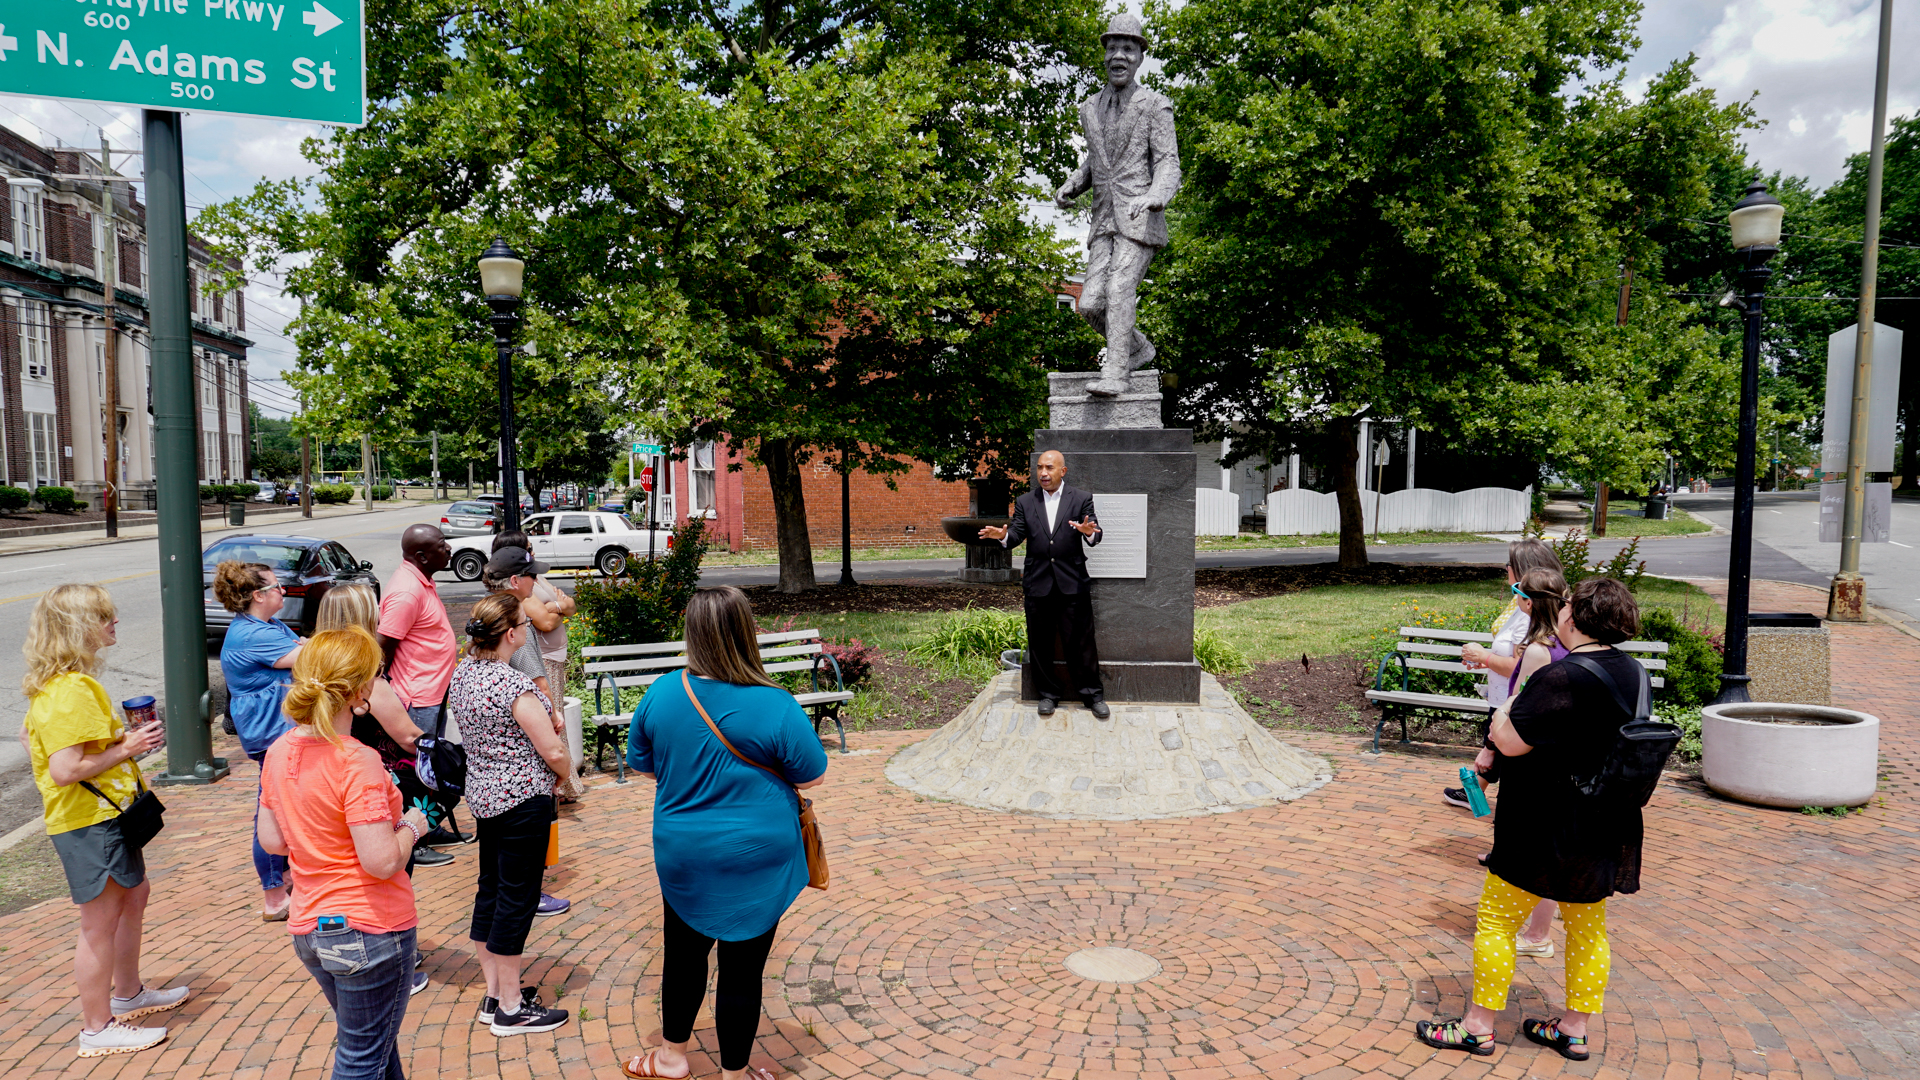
x=275 y=464
x=711 y=201
x=1410 y=210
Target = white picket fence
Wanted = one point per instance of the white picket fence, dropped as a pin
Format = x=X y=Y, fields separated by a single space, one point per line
x=1298 y=512
x=1215 y=512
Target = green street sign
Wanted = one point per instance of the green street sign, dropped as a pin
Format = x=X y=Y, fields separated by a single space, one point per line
x=298 y=60
x=648 y=448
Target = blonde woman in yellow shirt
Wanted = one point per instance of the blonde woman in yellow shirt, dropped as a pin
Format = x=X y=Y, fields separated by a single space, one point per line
x=77 y=744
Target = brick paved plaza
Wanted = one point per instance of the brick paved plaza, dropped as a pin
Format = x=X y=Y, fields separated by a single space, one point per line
x=1301 y=940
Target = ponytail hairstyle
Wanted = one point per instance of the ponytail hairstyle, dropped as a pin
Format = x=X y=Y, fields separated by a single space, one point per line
x=1546 y=590
x=330 y=670
x=492 y=620
x=63 y=634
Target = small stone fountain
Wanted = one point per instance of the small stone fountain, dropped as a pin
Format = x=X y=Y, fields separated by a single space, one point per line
x=987 y=561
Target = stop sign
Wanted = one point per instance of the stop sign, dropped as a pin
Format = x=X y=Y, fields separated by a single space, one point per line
x=646 y=479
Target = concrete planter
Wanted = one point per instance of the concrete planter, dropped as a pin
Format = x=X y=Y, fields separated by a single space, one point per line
x=1777 y=754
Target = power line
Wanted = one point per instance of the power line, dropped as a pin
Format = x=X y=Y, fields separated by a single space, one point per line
x=1885 y=243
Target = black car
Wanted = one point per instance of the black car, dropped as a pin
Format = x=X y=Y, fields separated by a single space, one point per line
x=307 y=566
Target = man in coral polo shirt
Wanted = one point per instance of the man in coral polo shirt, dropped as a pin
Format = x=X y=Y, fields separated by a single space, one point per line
x=417 y=638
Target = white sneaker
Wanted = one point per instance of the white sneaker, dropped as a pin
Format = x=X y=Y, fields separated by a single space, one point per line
x=119 y=1038
x=149 y=1001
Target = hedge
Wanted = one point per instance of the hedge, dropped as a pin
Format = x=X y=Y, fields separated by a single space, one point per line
x=14 y=498
x=332 y=494
x=58 y=499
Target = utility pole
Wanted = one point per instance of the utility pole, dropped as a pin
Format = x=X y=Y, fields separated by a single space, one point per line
x=1847 y=602
x=110 y=368
x=306 y=476
x=439 y=491
x=366 y=472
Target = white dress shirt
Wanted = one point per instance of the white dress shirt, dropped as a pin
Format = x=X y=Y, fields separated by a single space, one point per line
x=1050 y=500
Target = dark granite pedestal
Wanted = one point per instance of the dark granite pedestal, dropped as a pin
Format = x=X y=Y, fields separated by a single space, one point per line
x=1143 y=626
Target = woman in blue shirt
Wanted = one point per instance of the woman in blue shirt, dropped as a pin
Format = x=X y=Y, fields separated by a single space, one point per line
x=726 y=835
x=257 y=661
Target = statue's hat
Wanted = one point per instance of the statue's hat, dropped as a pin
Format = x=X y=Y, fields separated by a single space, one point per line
x=1127 y=26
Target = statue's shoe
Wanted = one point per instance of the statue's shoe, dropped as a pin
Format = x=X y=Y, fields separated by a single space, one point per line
x=1107 y=387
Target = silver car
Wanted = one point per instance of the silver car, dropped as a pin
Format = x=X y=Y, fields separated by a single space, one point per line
x=473 y=518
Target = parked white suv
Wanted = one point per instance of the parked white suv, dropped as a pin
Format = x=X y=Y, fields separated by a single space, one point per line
x=568 y=539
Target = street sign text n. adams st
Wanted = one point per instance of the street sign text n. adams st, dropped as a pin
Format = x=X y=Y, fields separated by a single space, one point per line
x=297 y=60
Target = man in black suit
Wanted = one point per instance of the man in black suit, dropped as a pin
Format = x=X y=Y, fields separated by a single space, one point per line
x=1058 y=525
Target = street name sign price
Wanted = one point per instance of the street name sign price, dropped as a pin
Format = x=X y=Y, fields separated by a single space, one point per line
x=297 y=60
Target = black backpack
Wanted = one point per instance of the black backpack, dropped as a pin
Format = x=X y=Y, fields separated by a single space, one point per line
x=442 y=767
x=1631 y=771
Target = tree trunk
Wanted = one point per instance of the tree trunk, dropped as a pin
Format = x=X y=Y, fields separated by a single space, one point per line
x=1601 y=496
x=781 y=457
x=1345 y=433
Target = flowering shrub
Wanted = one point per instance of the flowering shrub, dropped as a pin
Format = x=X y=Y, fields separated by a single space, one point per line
x=855 y=659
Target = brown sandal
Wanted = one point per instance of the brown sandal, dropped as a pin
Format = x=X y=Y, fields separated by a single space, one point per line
x=642 y=1067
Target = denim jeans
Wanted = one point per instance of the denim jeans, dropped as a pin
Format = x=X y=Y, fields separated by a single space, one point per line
x=271 y=868
x=366 y=978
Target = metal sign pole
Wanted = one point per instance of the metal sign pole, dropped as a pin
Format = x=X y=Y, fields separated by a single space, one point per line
x=190 y=757
x=109 y=358
x=1847 y=602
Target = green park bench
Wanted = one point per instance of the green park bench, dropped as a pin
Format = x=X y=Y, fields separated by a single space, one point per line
x=634 y=667
x=1425 y=649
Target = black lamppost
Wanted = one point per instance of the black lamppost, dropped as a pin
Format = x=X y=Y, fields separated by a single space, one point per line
x=502 y=278
x=1756 y=237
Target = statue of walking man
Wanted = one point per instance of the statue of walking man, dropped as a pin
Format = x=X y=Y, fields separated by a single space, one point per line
x=1133 y=167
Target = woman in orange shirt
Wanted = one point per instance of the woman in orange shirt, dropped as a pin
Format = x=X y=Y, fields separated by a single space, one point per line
x=329 y=806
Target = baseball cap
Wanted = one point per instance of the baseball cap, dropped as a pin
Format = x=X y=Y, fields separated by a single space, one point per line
x=514 y=561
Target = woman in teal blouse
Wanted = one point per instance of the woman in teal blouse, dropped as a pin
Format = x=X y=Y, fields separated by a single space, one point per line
x=726 y=836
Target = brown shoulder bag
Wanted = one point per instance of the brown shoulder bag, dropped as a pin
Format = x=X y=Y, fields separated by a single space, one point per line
x=809 y=825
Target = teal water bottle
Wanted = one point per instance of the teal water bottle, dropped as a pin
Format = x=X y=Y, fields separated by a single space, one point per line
x=1476 y=798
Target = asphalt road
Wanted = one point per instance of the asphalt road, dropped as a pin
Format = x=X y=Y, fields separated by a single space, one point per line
x=1786 y=548
x=130 y=572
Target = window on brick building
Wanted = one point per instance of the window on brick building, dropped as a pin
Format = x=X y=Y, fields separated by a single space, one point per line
x=29 y=224
x=1065 y=301
x=41 y=449
x=210 y=452
x=700 y=467
x=236 y=457
x=36 y=339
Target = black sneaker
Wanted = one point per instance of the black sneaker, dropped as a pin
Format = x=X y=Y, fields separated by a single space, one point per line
x=529 y=997
x=426 y=856
x=440 y=836
x=1456 y=796
x=532 y=1017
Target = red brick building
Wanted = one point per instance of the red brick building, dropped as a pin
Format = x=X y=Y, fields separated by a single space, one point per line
x=739 y=504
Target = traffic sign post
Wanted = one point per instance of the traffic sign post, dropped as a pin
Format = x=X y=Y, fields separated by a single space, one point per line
x=297 y=60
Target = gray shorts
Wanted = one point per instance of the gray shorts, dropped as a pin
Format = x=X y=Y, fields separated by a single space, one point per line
x=95 y=853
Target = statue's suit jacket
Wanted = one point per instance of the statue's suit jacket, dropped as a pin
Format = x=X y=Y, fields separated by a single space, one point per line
x=1140 y=158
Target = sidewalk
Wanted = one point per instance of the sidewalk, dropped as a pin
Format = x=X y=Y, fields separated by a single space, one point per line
x=260 y=519
x=1297 y=941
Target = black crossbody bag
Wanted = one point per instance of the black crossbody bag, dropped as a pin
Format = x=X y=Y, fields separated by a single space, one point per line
x=1640 y=750
x=139 y=820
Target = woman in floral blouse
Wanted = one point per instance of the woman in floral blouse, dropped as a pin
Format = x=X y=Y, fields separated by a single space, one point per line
x=513 y=756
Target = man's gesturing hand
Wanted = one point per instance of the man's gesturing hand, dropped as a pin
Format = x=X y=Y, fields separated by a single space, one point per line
x=993 y=532
x=1086 y=528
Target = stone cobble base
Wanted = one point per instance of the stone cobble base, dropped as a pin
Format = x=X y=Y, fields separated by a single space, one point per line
x=1296 y=940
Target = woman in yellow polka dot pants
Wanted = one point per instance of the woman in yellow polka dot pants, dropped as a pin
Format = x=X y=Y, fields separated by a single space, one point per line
x=1550 y=840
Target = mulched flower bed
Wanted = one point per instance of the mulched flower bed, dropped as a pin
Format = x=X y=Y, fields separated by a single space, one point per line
x=1329 y=694
x=916 y=696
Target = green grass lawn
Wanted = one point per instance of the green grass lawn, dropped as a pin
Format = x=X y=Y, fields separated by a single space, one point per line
x=1678 y=523
x=1261 y=540
x=1344 y=618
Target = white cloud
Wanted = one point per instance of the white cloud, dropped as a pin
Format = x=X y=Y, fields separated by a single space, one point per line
x=1811 y=62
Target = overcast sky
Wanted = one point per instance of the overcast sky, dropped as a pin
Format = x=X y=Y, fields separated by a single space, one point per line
x=1810 y=61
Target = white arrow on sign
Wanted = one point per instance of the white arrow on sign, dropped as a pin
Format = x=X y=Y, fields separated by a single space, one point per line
x=7 y=43
x=320 y=19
